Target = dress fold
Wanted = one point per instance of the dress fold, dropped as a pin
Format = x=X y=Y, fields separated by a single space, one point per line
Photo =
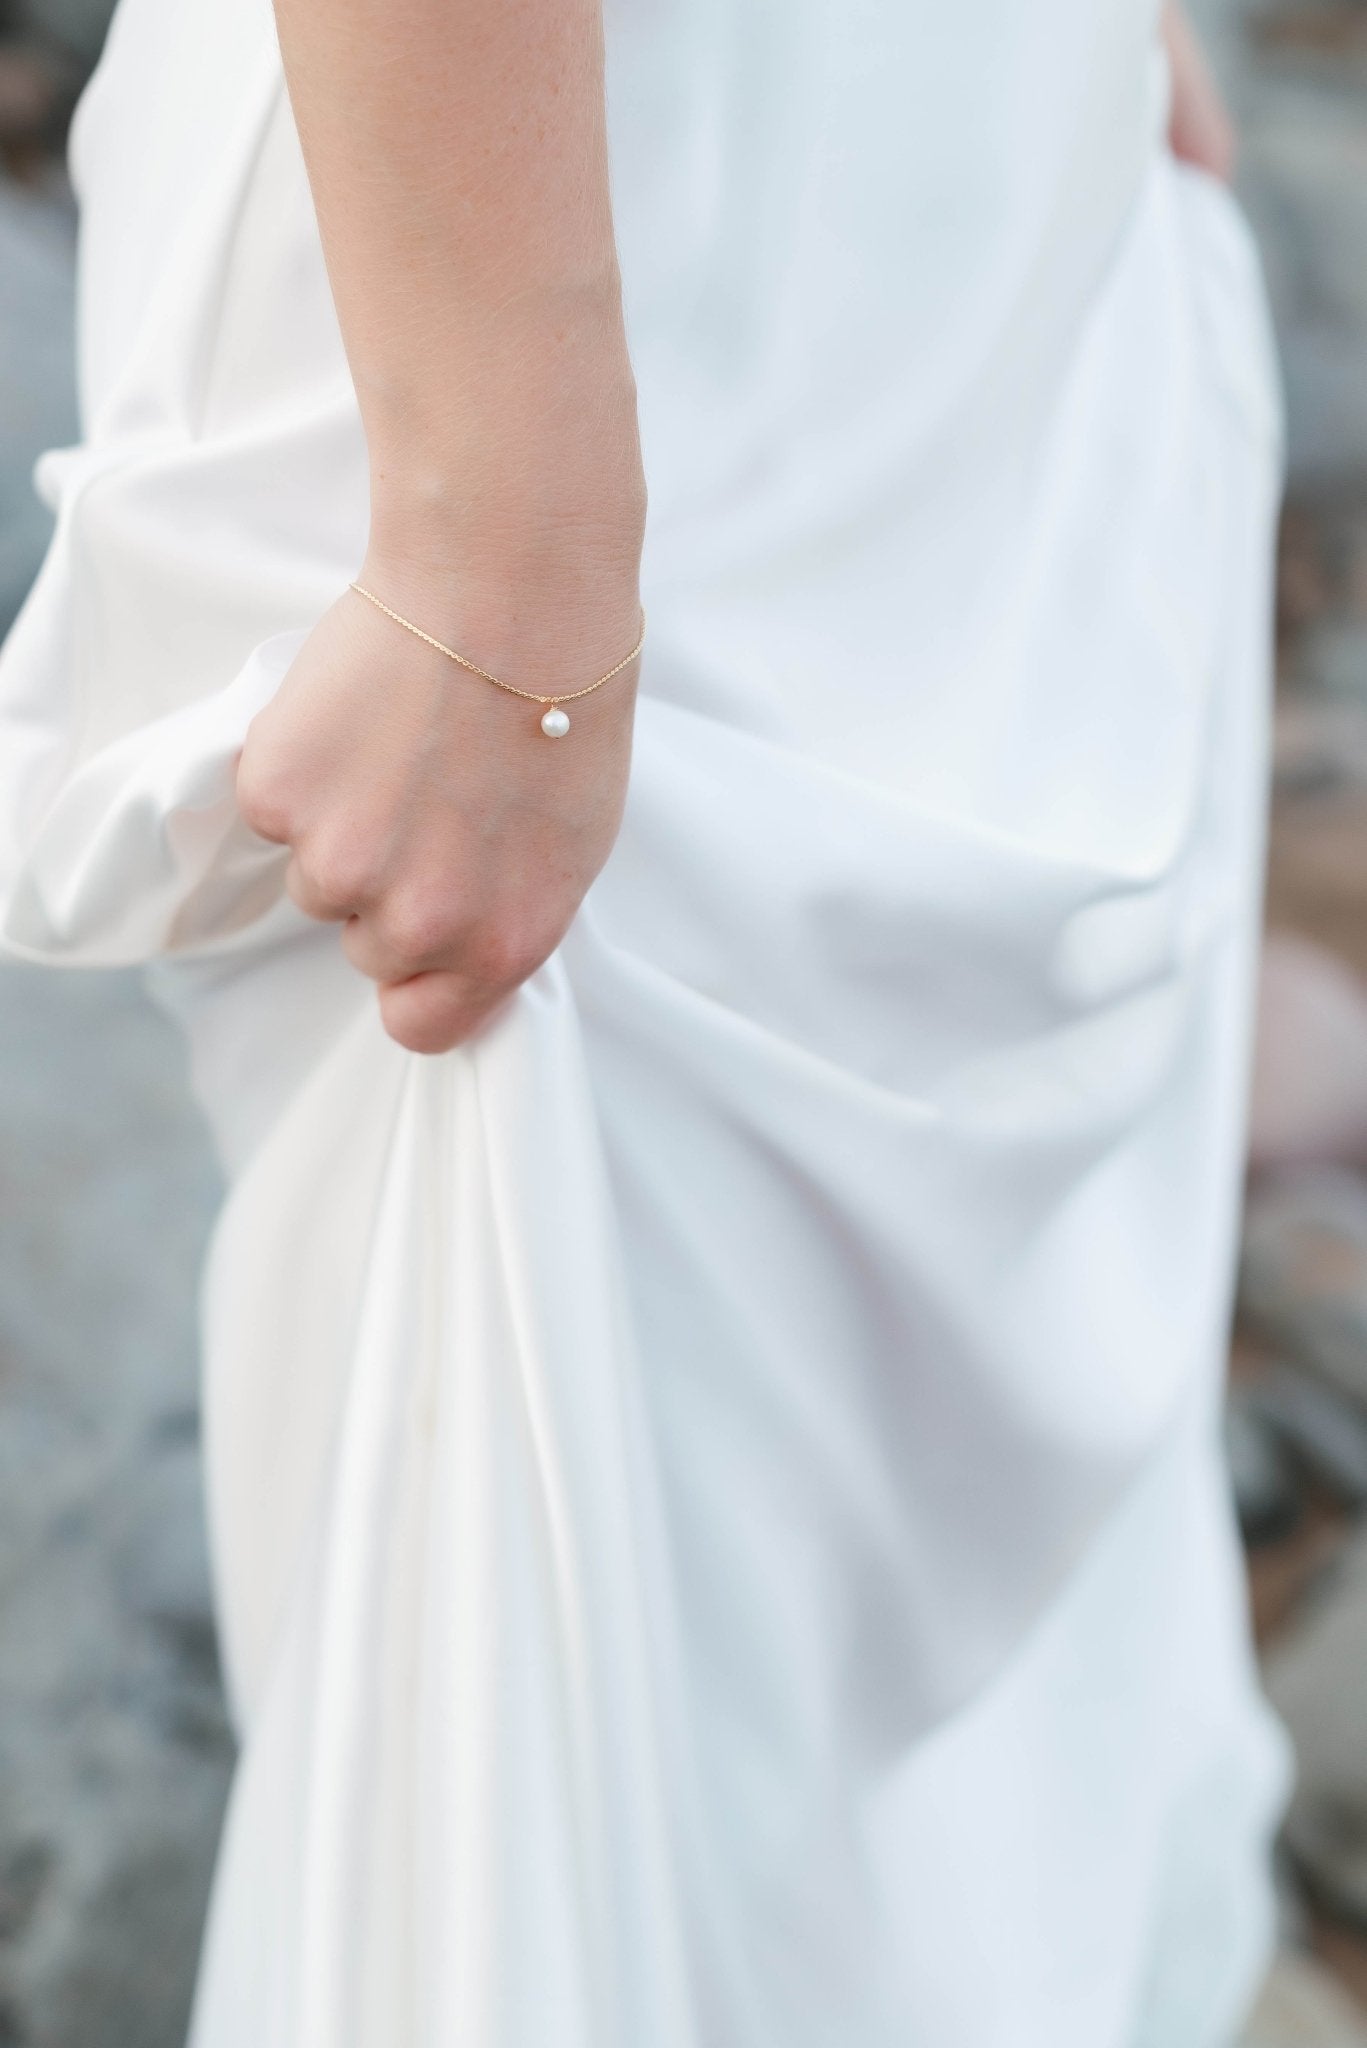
x=714 y=1489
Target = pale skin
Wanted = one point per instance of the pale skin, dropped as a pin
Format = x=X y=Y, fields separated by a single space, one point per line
x=1199 y=128
x=458 y=159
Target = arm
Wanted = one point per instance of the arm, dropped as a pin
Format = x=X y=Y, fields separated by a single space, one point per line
x=1199 y=130
x=457 y=155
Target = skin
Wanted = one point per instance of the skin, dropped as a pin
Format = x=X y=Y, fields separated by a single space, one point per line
x=457 y=155
x=1199 y=128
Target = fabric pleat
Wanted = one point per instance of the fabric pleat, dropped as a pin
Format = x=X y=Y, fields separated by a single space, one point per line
x=717 y=1523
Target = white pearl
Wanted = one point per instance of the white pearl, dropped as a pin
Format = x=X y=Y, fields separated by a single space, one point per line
x=555 y=723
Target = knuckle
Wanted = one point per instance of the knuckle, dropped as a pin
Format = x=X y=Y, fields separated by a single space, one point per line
x=358 y=944
x=337 y=872
x=262 y=798
x=420 y=1020
x=419 y=926
x=505 y=954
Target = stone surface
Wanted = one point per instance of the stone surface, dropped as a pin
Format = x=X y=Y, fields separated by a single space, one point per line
x=37 y=409
x=1309 y=1098
x=30 y=94
x=113 y=1747
x=1267 y=1488
x=114 y=1752
x=1301 y=2006
x=78 y=26
x=1316 y=1677
x=1303 y=1275
x=1296 y=73
x=1321 y=1428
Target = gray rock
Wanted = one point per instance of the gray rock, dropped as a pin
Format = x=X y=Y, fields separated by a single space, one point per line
x=1325 y=1431
x=1296 y=76
x=1294 y=1923
x=30 y=97
x=1332 y=658
x=1316 y=1678
x=1313 y=236
x=1303 y=1276
x=161 y=1560
x=114 y=1749
x=37 y=403
x=75 y=25
x=1321 y=739
x=1267 y=1488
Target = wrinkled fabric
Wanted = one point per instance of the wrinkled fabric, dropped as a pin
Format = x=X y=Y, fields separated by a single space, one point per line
x=718 y=1529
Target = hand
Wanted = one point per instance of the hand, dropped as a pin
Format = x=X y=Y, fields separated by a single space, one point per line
x=426 y=811
x=1199 y=128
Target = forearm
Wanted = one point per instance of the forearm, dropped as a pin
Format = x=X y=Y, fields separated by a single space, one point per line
x=458 y=159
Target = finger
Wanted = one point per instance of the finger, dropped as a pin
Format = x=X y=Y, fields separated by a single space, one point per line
x=328 y=898
x=431 y=1013
x=404 y=933
x=367 y=952
x=259 y=804
x=371 y=950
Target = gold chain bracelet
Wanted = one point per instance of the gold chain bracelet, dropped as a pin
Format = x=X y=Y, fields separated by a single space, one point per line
x=555 y=723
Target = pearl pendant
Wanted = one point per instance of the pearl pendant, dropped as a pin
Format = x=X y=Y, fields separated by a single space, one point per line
x=555 y=723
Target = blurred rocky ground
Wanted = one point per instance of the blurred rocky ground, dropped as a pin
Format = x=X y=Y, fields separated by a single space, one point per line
x=114 y=1752
x=113 y=1747
x=1296 y=71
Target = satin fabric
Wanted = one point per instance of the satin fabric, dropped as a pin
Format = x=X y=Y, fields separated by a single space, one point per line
x=717 y=1519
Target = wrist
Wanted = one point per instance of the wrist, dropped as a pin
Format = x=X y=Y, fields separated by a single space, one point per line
x=544 y=603
x=509 y=518
x=559 y=499
x=511 y=553
x=511 y=531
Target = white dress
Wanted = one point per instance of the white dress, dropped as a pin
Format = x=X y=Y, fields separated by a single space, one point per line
x=719 y=1533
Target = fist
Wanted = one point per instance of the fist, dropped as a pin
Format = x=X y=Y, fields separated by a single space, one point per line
x=426 y=812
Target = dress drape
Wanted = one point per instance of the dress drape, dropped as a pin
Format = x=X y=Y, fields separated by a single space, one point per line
x=718 y=1526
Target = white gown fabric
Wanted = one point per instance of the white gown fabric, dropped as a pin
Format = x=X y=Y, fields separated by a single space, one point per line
x=719 y=1533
